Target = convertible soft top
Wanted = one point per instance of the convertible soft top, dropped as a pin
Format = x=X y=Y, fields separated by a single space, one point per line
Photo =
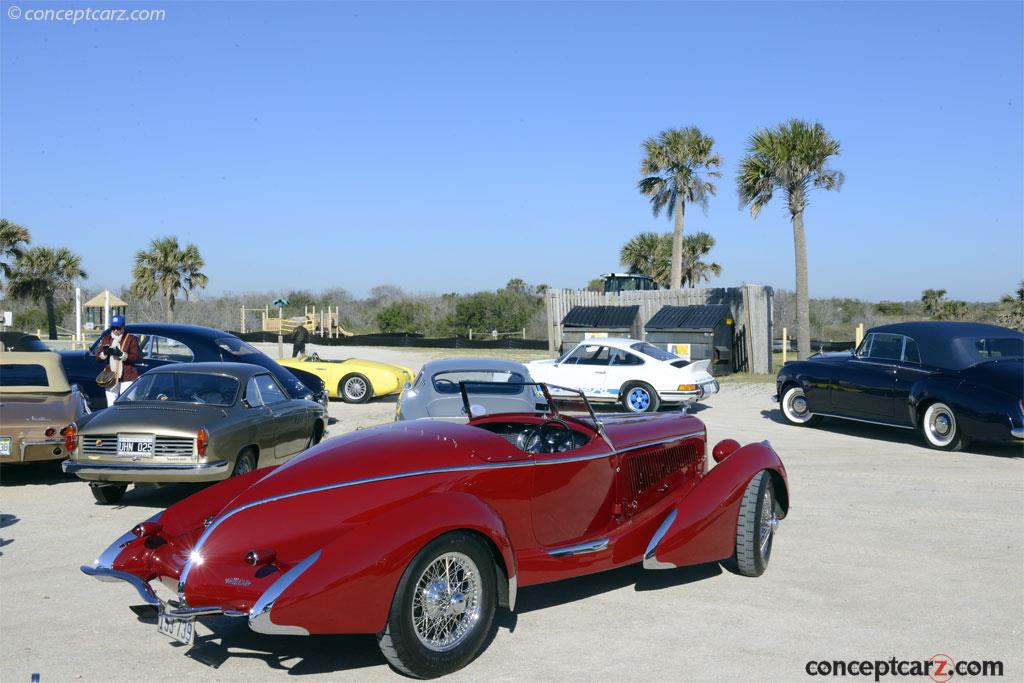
x=948 y=344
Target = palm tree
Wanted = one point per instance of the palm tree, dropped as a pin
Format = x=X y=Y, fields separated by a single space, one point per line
x=695 y=247
x=47 y=274
x=790 y=157
x=14 y=241
x=933 y=300
x=166 y=269
x=1013 y=313
x=650 y=254
x=672 y=170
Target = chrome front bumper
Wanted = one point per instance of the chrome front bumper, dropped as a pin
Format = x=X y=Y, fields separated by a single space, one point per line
x=1017 y=432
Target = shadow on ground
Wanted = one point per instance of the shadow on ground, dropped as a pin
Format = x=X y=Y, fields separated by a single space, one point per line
x=44 y=473
x=232 y=638
x=911 y=437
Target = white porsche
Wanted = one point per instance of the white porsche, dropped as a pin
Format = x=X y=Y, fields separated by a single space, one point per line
x=637 y=374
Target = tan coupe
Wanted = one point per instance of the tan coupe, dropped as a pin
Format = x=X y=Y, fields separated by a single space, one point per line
x=36 y=402
x=191 y=422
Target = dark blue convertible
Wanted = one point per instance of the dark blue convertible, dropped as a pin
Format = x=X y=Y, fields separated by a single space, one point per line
x=164 y=343
x=951 y=381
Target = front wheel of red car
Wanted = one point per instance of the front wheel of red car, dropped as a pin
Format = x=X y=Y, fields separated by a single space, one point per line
x=755 y=527
x=442 y=609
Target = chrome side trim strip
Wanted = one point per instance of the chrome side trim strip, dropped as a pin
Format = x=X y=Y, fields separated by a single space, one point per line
x=650 y=555
x=259 y=616
x=513 y=590
x=871 y=422
x=106 y=574
x=402 y=475
x=579 y=548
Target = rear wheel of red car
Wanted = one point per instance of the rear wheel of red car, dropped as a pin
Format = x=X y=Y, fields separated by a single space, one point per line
x=795 y=409
x=755 y=527
x=940 y=428
x=108 y=494
x=442 y=609
x=355 y=388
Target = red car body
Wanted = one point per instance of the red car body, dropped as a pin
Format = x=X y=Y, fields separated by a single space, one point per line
x=319 y=545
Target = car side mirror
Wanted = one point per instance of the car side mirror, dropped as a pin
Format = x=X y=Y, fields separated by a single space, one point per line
x=245 y=403
x=407 y=385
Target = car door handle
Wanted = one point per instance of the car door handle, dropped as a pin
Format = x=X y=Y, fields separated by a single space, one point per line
x=600 y=372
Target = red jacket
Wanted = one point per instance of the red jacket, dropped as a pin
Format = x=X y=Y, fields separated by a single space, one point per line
x=130 y=347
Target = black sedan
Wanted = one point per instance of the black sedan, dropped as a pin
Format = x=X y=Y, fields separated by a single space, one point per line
x=164 y=343
x=952 y=381
x=22 y=341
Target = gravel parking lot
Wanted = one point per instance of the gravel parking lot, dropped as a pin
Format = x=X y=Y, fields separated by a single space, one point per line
x=890 y=550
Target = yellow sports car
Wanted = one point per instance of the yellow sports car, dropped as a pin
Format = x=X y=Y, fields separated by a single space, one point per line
x=353 y=380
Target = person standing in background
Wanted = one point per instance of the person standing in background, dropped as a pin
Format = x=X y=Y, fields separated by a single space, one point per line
x=120 y=350
x=299 y=337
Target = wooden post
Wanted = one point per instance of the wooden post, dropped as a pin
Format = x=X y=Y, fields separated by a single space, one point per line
x=471 y=334
x=785 y=344
x=243 y=319
x=280 y=331
x=858 y=335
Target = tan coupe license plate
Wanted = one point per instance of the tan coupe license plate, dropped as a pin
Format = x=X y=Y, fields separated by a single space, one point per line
x=135 y=445
x=181 y=630
x=5 y=445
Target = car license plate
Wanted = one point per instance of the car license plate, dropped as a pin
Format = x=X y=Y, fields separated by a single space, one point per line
x=5 y=445
x=135 y=445
x=181 y=630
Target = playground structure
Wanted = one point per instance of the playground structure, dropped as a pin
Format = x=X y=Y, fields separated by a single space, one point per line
x=321 y=323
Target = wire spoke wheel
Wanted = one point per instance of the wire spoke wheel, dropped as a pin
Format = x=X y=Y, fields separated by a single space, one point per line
x=446 y=602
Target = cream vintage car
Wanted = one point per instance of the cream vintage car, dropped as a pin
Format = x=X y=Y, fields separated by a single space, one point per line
x=36 y=403
x=191 y=422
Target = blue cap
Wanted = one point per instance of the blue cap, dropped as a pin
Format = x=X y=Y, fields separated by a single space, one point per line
x=117 y=321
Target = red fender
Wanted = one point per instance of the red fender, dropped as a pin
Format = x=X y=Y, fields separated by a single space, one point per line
x=702 y=526
x=349 y=587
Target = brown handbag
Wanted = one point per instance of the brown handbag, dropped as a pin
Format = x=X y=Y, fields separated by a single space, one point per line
x=106 y=379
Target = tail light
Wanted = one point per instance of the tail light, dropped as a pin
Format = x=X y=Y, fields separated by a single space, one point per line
x=202 y=440
x=70 y=434
x=147 y=529
x=50 y=432
x=260 y=556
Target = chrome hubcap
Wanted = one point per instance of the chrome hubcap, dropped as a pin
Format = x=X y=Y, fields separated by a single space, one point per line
x=446 y=604
x=800 y=405
x=355 y=388
x=941 y=425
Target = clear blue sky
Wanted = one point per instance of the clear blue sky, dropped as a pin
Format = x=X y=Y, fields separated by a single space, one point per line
x=450 y=147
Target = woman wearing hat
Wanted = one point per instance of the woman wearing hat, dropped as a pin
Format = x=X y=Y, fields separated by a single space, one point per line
x=120 y=350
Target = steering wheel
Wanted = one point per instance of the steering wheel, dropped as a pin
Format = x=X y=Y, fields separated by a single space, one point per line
x=549 y=434
x=546 y=437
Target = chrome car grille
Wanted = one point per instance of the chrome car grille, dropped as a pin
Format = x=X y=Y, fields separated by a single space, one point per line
x=163 y=446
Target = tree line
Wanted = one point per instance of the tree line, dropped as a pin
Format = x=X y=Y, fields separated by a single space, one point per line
x=49 y=275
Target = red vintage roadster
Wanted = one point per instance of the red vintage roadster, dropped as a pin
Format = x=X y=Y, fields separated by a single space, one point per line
x=417 y=531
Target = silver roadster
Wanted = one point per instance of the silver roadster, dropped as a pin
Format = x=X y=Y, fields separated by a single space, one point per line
x=435 y=394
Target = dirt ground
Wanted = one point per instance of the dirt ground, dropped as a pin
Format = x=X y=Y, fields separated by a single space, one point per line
x=890 y=550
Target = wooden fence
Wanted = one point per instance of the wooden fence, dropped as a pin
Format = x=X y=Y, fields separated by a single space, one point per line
x=751 y=308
